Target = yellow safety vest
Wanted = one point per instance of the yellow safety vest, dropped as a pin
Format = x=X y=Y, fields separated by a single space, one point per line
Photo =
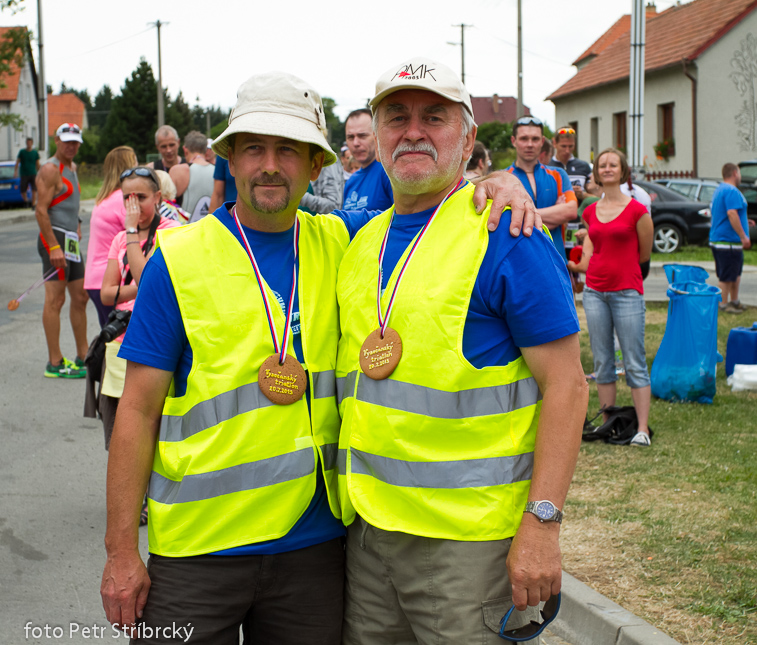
x=231 y=468
x=440 y=448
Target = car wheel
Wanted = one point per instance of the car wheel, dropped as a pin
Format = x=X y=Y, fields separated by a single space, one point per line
x=667 y=238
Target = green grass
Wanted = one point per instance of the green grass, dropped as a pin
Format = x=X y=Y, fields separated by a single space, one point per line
x=90 y=186
x=699 y=254
x=681 y=516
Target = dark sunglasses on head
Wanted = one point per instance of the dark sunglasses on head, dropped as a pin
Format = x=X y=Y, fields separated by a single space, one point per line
x=532 y=630
x=529 y=120
x=566 y=131
x=70 y=128
x=140 y=171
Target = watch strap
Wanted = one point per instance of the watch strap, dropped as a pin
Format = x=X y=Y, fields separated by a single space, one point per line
x=532 y=506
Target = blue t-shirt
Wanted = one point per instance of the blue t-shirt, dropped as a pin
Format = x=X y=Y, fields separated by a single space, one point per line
x=506 y=310
x=726 y=198
x=368 y=188
x=156 y=337
x=222 y=173
x=551 y=184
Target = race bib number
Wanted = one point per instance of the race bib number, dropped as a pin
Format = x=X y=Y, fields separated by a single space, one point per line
x=570 y=235
x=71 y=247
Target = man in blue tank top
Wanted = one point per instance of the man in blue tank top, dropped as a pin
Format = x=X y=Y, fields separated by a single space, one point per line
x=58 y=246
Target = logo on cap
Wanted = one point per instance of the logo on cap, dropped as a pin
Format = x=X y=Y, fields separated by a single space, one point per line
x=410 y=73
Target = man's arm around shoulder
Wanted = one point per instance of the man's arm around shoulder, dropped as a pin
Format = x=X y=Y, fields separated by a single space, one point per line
x=125 y=583
x=534 y=563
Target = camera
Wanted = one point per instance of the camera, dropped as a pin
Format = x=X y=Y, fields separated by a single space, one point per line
x=118 y=320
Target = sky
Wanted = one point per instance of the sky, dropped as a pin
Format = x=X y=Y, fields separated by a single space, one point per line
x=210 y=48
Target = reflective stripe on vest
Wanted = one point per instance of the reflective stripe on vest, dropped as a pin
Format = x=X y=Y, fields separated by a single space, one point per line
x=227 y=405
x=471 y=473
x=257 y=474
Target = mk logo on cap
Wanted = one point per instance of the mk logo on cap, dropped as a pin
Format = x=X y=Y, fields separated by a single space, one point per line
x=410 y=73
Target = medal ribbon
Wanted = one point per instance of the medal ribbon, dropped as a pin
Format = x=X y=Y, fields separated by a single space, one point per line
x=280 y=349
x=384 y=320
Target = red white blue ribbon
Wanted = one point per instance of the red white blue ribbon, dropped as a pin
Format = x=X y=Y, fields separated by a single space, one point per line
x=384 y=320
x=280 y=349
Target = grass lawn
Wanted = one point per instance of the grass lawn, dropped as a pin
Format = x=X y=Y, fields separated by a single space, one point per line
x=699 y=254
x=90 y=186
x=670 y=532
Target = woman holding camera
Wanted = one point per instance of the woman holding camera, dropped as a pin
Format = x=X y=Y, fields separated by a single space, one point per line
x=127 y=257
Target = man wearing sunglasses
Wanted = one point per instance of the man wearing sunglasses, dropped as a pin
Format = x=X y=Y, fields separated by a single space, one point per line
x=243 y=514
x=58 y=246
x=578 y=170
x=549 y=187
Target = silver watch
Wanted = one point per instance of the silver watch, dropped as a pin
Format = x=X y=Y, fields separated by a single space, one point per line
x=545 y=510
x=132 y=231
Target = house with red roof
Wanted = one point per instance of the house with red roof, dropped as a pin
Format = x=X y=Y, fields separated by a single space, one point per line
x=496 y=108
x=700 y=98
x=65 y=108
x=18 y=95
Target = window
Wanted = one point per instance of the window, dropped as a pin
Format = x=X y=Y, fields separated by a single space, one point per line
x=574 y=125
x=706 y=194
x=665 y=126
x=28 y=94
x=619 y=123
x=594 y=138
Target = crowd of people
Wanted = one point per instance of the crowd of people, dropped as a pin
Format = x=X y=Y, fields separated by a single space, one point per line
x=310 y=379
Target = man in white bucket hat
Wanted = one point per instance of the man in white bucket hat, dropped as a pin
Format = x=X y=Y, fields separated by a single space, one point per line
x=229 y=408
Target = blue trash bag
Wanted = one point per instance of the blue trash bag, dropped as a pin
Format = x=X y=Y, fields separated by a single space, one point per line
x=684 y=367
x=685 y=273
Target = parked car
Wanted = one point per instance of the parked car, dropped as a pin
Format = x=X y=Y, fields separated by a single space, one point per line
x=10 y=195
x=677 y=220
x=699 y=190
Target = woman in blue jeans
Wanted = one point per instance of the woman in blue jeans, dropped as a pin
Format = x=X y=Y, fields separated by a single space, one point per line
x=619 y=242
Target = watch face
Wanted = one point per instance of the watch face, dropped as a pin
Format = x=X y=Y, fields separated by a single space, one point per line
x=545 y=510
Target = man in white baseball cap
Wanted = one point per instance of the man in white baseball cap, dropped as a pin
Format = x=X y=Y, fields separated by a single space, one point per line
x=464 y=395
x=229 y=407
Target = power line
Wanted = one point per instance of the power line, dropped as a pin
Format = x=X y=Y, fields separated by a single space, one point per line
x=106 y=46
x=513 y=45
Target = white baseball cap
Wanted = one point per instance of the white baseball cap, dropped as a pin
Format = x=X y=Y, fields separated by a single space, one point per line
x=280 y=105
x=422 y=74
x=69 y=132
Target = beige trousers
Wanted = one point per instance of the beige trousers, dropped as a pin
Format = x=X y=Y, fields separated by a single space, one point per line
x=408 y=590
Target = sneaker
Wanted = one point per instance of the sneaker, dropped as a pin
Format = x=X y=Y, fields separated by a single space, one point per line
x=737 y=306
x=641 y=439
x=66 y=369
x=730 y=308
x=77 y=369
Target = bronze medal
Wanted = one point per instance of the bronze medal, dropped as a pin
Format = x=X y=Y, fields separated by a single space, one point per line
x=379 y=357
x=282 y=384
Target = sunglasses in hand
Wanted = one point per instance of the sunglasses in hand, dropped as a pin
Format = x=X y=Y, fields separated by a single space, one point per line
x=533 y=629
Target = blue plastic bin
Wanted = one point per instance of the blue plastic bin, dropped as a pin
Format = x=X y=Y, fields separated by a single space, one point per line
x=684 y=367
x=741 y=348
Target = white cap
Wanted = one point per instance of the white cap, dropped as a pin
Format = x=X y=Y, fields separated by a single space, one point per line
x=69 y=132
x=422 y=74
x=280 y=105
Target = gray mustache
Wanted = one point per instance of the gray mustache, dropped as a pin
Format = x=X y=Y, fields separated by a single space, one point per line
x=414 y=147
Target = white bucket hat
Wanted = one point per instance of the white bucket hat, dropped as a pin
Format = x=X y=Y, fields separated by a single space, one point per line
x=280 y=105
x=422 y=74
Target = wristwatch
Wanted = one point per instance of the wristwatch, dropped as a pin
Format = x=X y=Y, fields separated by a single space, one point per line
x=545 y=510
x=132 y=231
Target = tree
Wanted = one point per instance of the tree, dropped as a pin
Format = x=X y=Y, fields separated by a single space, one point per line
x=132 y=119
x=99 y=113
x=334 y=124
x=495 y=135
x=82 y=94
x=13 y=46
x=178 y=113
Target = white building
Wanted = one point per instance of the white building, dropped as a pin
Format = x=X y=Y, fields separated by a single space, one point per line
x=700 y=88
x=19 y=96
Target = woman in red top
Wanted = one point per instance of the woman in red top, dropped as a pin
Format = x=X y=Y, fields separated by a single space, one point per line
x=619 y=240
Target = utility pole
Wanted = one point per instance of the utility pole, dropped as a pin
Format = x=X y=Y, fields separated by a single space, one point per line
x=41 y=87
x=462 y=49
x=161 y=114
x=636 y=87
x=519 y=112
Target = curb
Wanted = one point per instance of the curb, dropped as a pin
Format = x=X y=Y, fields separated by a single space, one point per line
x=589 y=618
x=20 y=215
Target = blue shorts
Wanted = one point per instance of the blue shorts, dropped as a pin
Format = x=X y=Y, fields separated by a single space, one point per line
x=728 y=263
